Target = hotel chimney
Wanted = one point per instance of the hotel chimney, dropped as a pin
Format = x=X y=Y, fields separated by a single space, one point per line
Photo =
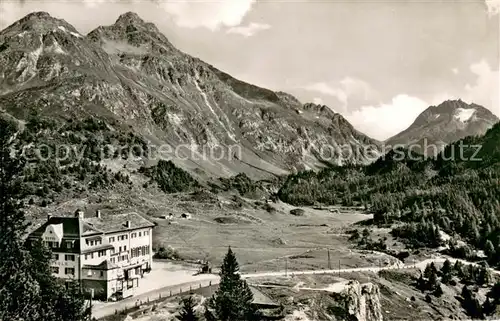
x=79 y=213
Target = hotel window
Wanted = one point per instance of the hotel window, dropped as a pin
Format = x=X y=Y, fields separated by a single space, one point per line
x=55 y=256
x=102 y=253
x=125 y=248
x=69 y=257
x=69 y=244
x=120 y=249
x=102 y=274
x=86 y=256
x=140 y=234
x=111 y=239
x=55 y=269
x=91 y=255
x=70 y=271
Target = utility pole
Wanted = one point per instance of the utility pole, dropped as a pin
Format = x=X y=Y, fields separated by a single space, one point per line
x=91 y=297
x=329 y=262
x=286 y=266
x=339 y=268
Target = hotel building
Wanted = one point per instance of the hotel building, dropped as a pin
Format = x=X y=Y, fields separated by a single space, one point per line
x=106 y=254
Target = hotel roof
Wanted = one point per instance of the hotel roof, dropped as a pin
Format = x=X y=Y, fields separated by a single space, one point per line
x=75 y=227
x=118 y=222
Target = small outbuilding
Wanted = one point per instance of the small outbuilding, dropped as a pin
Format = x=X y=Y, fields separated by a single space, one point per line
x=186 y=216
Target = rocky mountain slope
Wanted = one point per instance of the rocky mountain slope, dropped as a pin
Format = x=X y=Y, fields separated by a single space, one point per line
x=131 y=77
x=444 y=124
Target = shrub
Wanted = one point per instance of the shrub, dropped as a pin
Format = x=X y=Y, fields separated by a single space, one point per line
x=297 y=212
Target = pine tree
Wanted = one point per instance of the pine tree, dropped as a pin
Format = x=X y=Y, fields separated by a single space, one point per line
x=446 y=272
x=28 y=291
x=433 y=282
x=421 y=284
x=188 y=313
x=484 y=276
x=19 y=291
x=438 y=290
x=430 y=269
x=471 y=304
x=489 y=250
x=233 y=300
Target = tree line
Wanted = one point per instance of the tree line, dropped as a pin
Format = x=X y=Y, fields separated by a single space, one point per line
x=419 y=197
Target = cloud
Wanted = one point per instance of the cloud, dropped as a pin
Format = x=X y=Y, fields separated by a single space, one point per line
x=249 y=30
x=318 y=101
x=387 y=119
x=345 y=89
x=208 y=14
x=493 y=7
x=95 y=3
x=485 y=89
x=325 y=89
x=212 y=15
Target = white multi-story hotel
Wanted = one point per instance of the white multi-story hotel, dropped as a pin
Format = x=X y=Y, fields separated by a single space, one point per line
x=106 y=254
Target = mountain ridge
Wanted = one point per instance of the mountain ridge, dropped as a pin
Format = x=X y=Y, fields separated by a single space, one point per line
x=444 y=124
x=130 y=72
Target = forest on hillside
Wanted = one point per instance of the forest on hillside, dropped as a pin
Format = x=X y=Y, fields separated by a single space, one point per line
x=420 y=197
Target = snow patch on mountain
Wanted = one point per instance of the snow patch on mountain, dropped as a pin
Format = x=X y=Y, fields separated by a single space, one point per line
x=205 y=98
x=28 y=64
x=463 y=114
x=55 y=48
x=74 y=34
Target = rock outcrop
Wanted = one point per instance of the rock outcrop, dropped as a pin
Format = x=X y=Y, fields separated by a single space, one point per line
x=362 y=302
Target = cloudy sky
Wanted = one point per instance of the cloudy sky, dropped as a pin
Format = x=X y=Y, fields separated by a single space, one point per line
x=379 y=63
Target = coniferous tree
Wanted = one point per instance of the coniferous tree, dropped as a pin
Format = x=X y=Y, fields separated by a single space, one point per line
x=28 y=291
x=484 y=276
x=471 y=304
x=446 y=272
x=489 y=250
x=233 y=300
x=430 y=269
x=187 y=313
x=19 y=291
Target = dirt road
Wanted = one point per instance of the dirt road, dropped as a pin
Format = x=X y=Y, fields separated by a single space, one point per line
x=104 y=309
